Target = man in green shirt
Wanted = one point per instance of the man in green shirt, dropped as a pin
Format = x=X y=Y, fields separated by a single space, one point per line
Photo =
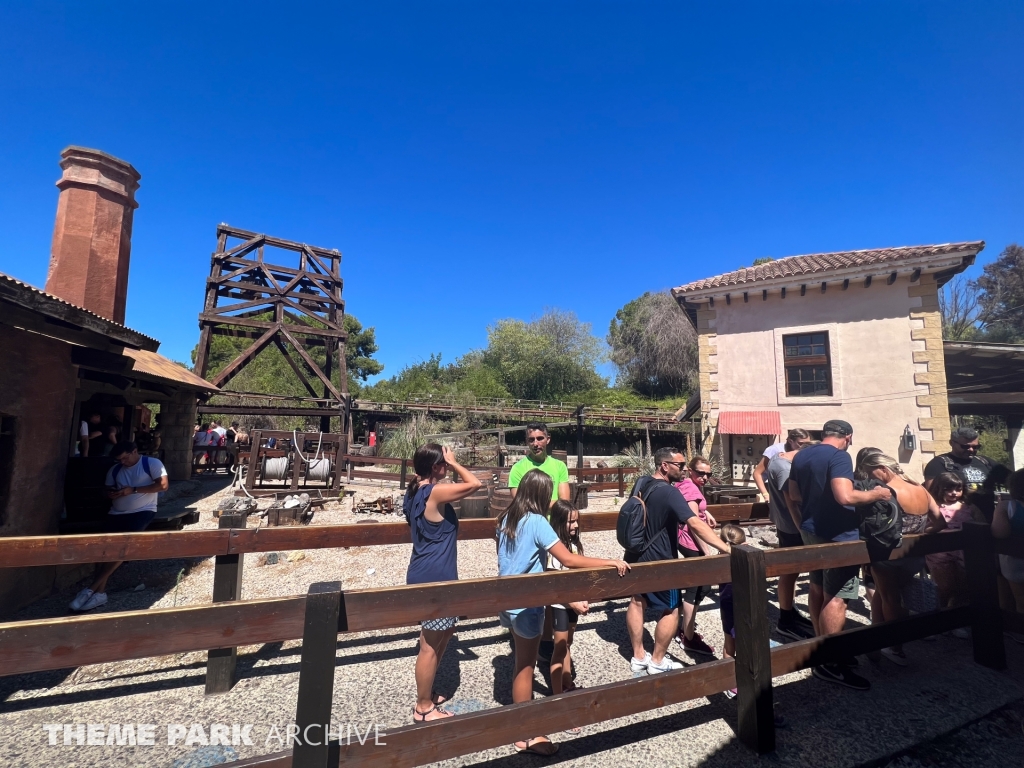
x=537 y=439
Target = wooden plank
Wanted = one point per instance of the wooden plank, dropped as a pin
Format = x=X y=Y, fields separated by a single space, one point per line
x=437 y=740
x=310 y=362
x=983 y=593
x=754 y=702
x=225 y=375
x=246 y=322
x=779 y=562
x=804 y=654
x=22 y=551
x=222 y=663
x=34 y=646
x=316 y=674
x=368 y=609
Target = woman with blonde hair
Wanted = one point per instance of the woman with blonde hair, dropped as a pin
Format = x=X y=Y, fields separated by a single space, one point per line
x=920 y=515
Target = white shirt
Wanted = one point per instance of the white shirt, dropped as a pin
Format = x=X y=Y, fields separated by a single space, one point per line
x=220 y=431
x=135 y=477
x=774 y=450
x=83 y=430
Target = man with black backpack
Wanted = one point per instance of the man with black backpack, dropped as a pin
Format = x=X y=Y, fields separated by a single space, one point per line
x=133 y=483
x=657 y=508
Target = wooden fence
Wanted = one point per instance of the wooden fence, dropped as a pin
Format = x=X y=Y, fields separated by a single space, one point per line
x=327 y=610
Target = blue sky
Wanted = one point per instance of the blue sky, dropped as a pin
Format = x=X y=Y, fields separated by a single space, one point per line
x=476 y=161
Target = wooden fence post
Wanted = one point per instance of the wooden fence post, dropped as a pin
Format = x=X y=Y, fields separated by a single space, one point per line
x=405 y=469
x=222 y=663
x=622 y=483
x=755 y=713
x=983 y=591
x=316 y=675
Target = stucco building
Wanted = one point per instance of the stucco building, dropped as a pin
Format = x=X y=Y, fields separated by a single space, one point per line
x=855 y=335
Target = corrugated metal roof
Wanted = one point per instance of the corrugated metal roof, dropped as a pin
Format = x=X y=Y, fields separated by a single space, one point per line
x=158 y=366
x=32 y=298
x=816 y=263
x=749 y=423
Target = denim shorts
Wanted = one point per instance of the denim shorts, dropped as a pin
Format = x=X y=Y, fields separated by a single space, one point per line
x=526 y=623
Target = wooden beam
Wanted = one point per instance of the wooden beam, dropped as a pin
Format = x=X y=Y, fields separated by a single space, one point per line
x=764 y=295
x=846 y=283
x=867 y=281
x=915 y=275
x=891 y=279
x=824 y=284
x=295 y=367
x=311 y=363
x=803 y=289
x=229 y=371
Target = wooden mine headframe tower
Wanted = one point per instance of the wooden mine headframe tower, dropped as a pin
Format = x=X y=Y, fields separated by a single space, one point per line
x=292 y=307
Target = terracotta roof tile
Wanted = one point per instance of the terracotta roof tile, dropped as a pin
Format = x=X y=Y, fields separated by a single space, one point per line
x=793 y=266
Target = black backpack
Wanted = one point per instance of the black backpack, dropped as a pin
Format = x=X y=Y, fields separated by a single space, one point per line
x=631 y=527
x=881 y=522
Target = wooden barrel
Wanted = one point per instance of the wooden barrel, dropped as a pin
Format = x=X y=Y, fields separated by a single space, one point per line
x=475 y=505
x=501 y=499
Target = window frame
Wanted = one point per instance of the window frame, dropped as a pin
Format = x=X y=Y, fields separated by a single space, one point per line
x=833 y=356
x=814 y=361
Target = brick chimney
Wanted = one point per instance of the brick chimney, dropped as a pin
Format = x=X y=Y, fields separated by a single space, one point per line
x=92 y=237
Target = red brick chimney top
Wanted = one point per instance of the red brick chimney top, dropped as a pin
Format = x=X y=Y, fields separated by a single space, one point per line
x=92 y=235
x=92 y=168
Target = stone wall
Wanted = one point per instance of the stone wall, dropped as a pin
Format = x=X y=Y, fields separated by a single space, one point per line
x=177 y=419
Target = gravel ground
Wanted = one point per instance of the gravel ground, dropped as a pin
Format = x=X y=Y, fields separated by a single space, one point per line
x=941 y=690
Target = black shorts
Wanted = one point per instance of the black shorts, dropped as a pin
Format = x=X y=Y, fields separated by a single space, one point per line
x=563 y=618
x=693 y=595
x=789 y=539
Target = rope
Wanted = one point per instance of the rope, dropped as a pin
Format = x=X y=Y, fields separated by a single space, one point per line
x=317 y=469
x=275 y=468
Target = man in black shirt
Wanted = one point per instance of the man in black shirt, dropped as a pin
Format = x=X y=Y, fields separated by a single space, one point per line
x=964 y=460
x=666 y=511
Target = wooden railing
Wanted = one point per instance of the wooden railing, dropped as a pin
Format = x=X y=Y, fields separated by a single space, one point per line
x=327 y=610
x=621 y=475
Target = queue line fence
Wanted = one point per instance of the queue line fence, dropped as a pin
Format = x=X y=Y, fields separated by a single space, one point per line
x=328 y=610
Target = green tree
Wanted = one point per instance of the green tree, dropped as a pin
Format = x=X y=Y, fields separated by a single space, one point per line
x=269 y=372
x=360 y=347
x=549 y=358
x=654 y=346
x=1001 y=301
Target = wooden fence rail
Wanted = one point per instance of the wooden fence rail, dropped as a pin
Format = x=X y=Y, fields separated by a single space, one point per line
x=24 y=551
x=67 y=642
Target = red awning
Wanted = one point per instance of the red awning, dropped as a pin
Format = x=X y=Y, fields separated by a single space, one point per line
x=749 y=423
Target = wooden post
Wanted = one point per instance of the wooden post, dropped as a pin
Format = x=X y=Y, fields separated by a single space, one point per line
x=222 y=663
x=254 y=451
x=316 y=675
x=501 y=448
x=755 y=712
x=983 y=591
x=579 y=444
x=297 y=459
x=622 y=483
x=405 y=469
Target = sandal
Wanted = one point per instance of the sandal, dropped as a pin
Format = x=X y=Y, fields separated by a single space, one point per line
x=574 y=731
x=421 y=717
x=437 y=698
x=537 y=747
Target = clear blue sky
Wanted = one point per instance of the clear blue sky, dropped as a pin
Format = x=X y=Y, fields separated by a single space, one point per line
x=475 y=161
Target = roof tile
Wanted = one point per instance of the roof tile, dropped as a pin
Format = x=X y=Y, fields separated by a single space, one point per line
x=793 y=266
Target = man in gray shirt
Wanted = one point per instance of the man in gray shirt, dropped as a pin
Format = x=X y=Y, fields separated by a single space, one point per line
x=785 y=513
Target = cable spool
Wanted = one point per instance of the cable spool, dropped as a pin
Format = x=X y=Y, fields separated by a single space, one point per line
x=318 y=470
x=275 y=468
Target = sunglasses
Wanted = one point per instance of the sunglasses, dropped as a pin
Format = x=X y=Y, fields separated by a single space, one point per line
x=701 y=474
x=965 y=447
x=679 y=464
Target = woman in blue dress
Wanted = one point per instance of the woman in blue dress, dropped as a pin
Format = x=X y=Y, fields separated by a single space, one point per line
x=434 y=528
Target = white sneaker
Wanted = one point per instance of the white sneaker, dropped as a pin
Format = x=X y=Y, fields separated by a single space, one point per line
x=640 y=665
x=95 y=601
x=895 y=656
x=667 y=665
x=80 y=598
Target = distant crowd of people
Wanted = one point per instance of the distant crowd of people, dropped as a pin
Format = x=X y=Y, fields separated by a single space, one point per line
x=222 y=445
x=817 y=494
